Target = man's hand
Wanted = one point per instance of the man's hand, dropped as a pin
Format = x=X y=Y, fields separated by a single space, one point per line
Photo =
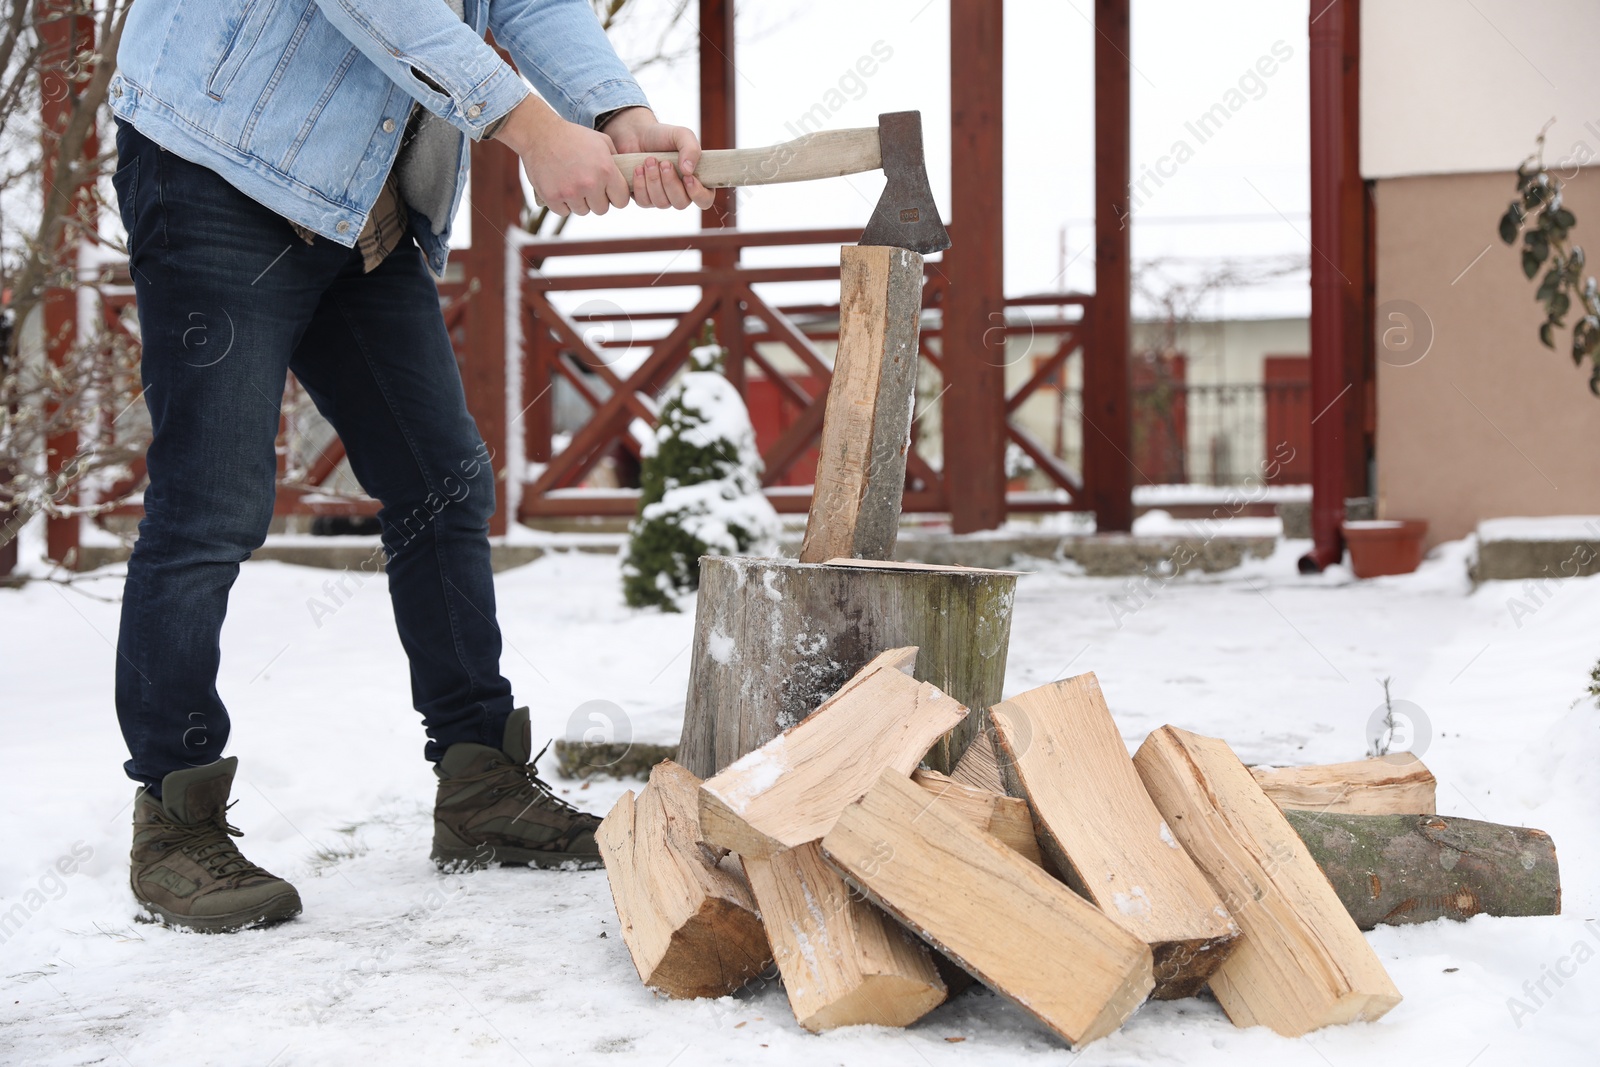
x=570 y=166
x=635 y=129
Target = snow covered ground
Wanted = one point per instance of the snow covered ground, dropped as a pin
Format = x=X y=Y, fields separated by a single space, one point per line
x=396 y=961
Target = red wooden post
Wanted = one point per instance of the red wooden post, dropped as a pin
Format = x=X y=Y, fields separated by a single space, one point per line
x=1357 y=250
x=718 y=113
x=63 y=36
x=496 y=205
x=1340 y=294
x=538 y=389
x=973 y=335
x=1107 y=418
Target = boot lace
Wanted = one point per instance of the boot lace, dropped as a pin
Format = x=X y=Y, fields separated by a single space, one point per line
x=210 y=844
x=523 y=783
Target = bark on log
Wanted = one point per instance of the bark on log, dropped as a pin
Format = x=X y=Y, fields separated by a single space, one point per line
x=775 y=638
x=1398 y=869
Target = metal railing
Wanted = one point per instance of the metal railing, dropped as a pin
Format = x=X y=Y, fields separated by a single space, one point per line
x=1211 y=434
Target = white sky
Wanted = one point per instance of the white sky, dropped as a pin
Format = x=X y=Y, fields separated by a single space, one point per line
x=1244 y=193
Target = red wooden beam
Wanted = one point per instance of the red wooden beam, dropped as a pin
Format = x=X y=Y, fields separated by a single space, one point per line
x=1107 y=419
x=1046 y=372
x=664 y=279
x=63 y=37
x=718 y=100
x=538 y=388
x=497 y=204
x=586 y=503
x=705 y=241
x=1340 y=289
x=973 y=354
x=611 y=418
x=718 y=114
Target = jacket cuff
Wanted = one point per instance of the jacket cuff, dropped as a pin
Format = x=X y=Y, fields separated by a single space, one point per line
x=607 y=96
x=489 y=102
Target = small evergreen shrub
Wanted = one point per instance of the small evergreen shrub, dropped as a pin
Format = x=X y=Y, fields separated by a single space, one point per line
x=700 y=487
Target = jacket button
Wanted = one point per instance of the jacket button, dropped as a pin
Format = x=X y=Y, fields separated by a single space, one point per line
x=388 y=125
x=474 y=111
x=343 y=226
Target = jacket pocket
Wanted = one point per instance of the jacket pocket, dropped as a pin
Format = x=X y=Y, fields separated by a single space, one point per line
x=243 y=38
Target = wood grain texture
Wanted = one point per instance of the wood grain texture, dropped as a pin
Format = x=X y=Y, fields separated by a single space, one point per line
x=843 y=962
x=1007 y=818
x=774 y=639
x=861 y=459
x=979 y=766
x=1398 y=784
x=791 y=789
x=1398 y=869
x=1015 y=928
x=1300 y=962
x=689 y=923
x=1060 y=748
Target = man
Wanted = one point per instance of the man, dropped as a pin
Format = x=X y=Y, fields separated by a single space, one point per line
x=287 y=172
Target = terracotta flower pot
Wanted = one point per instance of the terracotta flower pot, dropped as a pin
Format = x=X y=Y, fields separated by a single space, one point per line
x=1384 y=546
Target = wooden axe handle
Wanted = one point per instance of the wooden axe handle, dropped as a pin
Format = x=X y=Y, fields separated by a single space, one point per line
x=825 y=154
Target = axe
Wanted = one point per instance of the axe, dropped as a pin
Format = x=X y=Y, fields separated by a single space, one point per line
x=905 y=216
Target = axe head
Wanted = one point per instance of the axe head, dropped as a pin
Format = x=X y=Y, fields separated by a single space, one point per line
x=906 y=216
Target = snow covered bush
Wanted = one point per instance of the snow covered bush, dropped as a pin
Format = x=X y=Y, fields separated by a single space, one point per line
x=700 y=487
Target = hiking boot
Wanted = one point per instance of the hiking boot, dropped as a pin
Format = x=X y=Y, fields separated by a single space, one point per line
x=494 y=808
x=185 y=870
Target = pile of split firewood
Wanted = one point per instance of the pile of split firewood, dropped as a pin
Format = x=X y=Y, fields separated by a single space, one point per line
x=1072 y=880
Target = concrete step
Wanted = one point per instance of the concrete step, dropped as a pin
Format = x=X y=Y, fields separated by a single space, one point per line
x=1555 y=546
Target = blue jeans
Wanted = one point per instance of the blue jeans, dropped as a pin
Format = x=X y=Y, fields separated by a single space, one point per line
x=231 y=300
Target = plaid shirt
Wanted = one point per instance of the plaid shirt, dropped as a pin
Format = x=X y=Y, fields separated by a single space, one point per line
x=386 y=226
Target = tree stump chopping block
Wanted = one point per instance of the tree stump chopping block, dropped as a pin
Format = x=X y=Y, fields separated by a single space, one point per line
x=775 y=638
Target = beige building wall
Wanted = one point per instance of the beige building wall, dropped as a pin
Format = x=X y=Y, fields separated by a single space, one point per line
x=1488 y=422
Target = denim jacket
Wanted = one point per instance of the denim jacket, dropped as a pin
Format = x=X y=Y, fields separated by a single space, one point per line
x=300 y=104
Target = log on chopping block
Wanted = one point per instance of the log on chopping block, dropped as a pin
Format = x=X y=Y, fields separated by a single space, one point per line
x=791 y=789
x=1398 y=784
x=1014 y=927
x=1060 y=748
x=774 y=639
x=1398 y=869
x=688 y=921
x=1007 y=818
x=861 y=461
x=1300 y=963
x=843 y=962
